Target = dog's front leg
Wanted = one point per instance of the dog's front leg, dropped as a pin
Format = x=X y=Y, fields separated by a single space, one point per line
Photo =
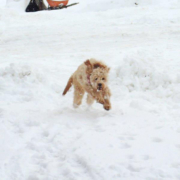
x=103 y=98
x=106 y=97
x=97 y=96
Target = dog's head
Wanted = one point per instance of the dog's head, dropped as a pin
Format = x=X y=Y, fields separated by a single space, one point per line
x=98 y=75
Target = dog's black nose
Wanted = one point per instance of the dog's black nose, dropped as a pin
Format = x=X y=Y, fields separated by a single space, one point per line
x=99 y=84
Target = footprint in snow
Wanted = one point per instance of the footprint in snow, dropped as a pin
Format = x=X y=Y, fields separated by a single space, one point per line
x=126 y=138
x=121 y=138
x=131 y=138
x=178 y=146
x=146 y=157
x=45 y=133
x=131 y=156
x=176 y=165
x=157 y=140
x=32 y=177
x=159 y=127
x=133 y=168
x=125 y=146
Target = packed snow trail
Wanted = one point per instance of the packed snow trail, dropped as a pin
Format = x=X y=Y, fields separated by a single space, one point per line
x=44 y=138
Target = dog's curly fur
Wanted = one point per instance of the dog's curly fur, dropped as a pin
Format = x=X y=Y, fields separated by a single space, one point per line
x=90 y=77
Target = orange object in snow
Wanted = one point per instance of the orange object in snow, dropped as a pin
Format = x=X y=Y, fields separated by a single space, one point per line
x=57 y=3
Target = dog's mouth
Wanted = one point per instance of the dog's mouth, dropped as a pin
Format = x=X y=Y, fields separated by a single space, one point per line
x=99 y=88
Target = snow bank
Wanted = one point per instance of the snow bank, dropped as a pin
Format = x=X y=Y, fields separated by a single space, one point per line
x=143 y=73
x=152 y=84
x=27 y=83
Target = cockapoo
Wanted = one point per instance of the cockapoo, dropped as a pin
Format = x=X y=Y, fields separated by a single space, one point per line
x=90 y=77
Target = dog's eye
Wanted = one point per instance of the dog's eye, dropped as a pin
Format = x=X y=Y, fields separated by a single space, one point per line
x=103 y=79
x=96 y=79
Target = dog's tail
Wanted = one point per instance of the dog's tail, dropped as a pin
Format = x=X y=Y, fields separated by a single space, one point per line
x=69 y=84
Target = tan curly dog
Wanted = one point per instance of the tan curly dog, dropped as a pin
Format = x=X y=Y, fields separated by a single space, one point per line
x=90 y=77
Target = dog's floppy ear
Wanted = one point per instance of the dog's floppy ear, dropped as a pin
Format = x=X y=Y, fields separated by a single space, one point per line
x=87 y=63
x=99 y=65
x=89 y=66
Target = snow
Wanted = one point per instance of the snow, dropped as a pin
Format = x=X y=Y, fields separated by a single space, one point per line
x=42 y=137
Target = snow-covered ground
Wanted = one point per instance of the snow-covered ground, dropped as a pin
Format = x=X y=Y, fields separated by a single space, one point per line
x=42 y=137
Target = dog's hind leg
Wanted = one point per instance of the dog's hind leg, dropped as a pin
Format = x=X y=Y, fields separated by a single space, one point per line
x=90 y=99
x=78 y=95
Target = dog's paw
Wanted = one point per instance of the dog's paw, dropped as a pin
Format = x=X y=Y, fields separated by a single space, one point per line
x=107 y=107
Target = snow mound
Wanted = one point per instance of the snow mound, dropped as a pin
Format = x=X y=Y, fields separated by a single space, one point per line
x=21 y=82
x=151 y=85
x=21 y=73
x=144 y=75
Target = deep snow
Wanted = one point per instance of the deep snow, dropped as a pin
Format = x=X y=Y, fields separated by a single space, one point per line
x=42 y=137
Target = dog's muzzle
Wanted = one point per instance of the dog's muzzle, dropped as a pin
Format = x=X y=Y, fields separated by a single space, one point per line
x=99 y=86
